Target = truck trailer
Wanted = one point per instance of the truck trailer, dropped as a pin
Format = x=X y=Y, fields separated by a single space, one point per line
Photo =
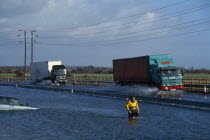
x=48 y=70
x=155 y=70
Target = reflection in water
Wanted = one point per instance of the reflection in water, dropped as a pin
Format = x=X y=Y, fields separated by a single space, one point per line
x=132 y=121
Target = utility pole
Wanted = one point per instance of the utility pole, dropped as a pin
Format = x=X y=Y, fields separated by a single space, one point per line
x=24 y=69
x=25 y=53
x=32 y=45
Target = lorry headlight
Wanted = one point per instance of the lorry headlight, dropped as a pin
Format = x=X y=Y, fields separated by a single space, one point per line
x=163 y=85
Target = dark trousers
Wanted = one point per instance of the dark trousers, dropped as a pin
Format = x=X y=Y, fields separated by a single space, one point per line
x=134 y=113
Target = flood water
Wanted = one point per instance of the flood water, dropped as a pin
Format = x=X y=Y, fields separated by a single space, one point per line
x=71 y=116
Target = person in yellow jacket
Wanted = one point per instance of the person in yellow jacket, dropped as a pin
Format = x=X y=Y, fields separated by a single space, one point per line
x=132 y=107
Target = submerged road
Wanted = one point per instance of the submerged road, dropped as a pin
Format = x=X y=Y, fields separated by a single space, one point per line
x=65 y=115
x=117 y=94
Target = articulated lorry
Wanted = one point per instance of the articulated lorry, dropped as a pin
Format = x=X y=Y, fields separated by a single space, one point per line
x=157 y=70
x=48 y=70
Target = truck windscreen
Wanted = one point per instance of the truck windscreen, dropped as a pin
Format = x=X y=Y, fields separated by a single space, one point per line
x=60 y=72
x=168 y=73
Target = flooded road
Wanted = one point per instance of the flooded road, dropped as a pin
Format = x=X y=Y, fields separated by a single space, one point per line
x=71 y=116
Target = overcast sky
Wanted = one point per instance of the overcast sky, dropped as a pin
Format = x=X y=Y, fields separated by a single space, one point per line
x=94 y=32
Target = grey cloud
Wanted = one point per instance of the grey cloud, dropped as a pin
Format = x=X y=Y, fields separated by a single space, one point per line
x=12 y=8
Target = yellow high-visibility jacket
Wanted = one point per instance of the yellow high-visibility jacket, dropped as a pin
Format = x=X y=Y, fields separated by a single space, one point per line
x=132 y=105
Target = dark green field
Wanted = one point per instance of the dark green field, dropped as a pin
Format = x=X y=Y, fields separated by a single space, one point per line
x=93 y=75
x=201 y=75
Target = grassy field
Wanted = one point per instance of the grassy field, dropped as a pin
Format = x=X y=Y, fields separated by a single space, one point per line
x=7 y=74
x=93 y=75
x=200 y=75
x=11 y=75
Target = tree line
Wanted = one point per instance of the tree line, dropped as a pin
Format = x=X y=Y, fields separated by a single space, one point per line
x=18 y=70
x=89 y=69
x=197 y=71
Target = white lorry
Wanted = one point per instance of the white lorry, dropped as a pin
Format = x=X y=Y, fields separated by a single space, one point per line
x=48 y=70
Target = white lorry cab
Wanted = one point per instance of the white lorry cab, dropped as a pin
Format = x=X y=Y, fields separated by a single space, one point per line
x=48 y=70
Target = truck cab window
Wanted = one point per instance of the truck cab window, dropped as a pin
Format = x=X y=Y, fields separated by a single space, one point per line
x=168 y=73
x=59 y=72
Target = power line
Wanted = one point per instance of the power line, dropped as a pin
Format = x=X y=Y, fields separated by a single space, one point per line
x=163 y=17
x=182 y=13
x=142 y=35
x=12 y=44
x=3 y=41
x=6 y=32
x=152 y=33
x=12 y=37
x=7 y=36
x=137 y=31
x=135 y=41
x=9 y=47
x=108 y=21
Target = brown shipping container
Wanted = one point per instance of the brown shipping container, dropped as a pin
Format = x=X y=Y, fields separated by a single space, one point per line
x=131 y=70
